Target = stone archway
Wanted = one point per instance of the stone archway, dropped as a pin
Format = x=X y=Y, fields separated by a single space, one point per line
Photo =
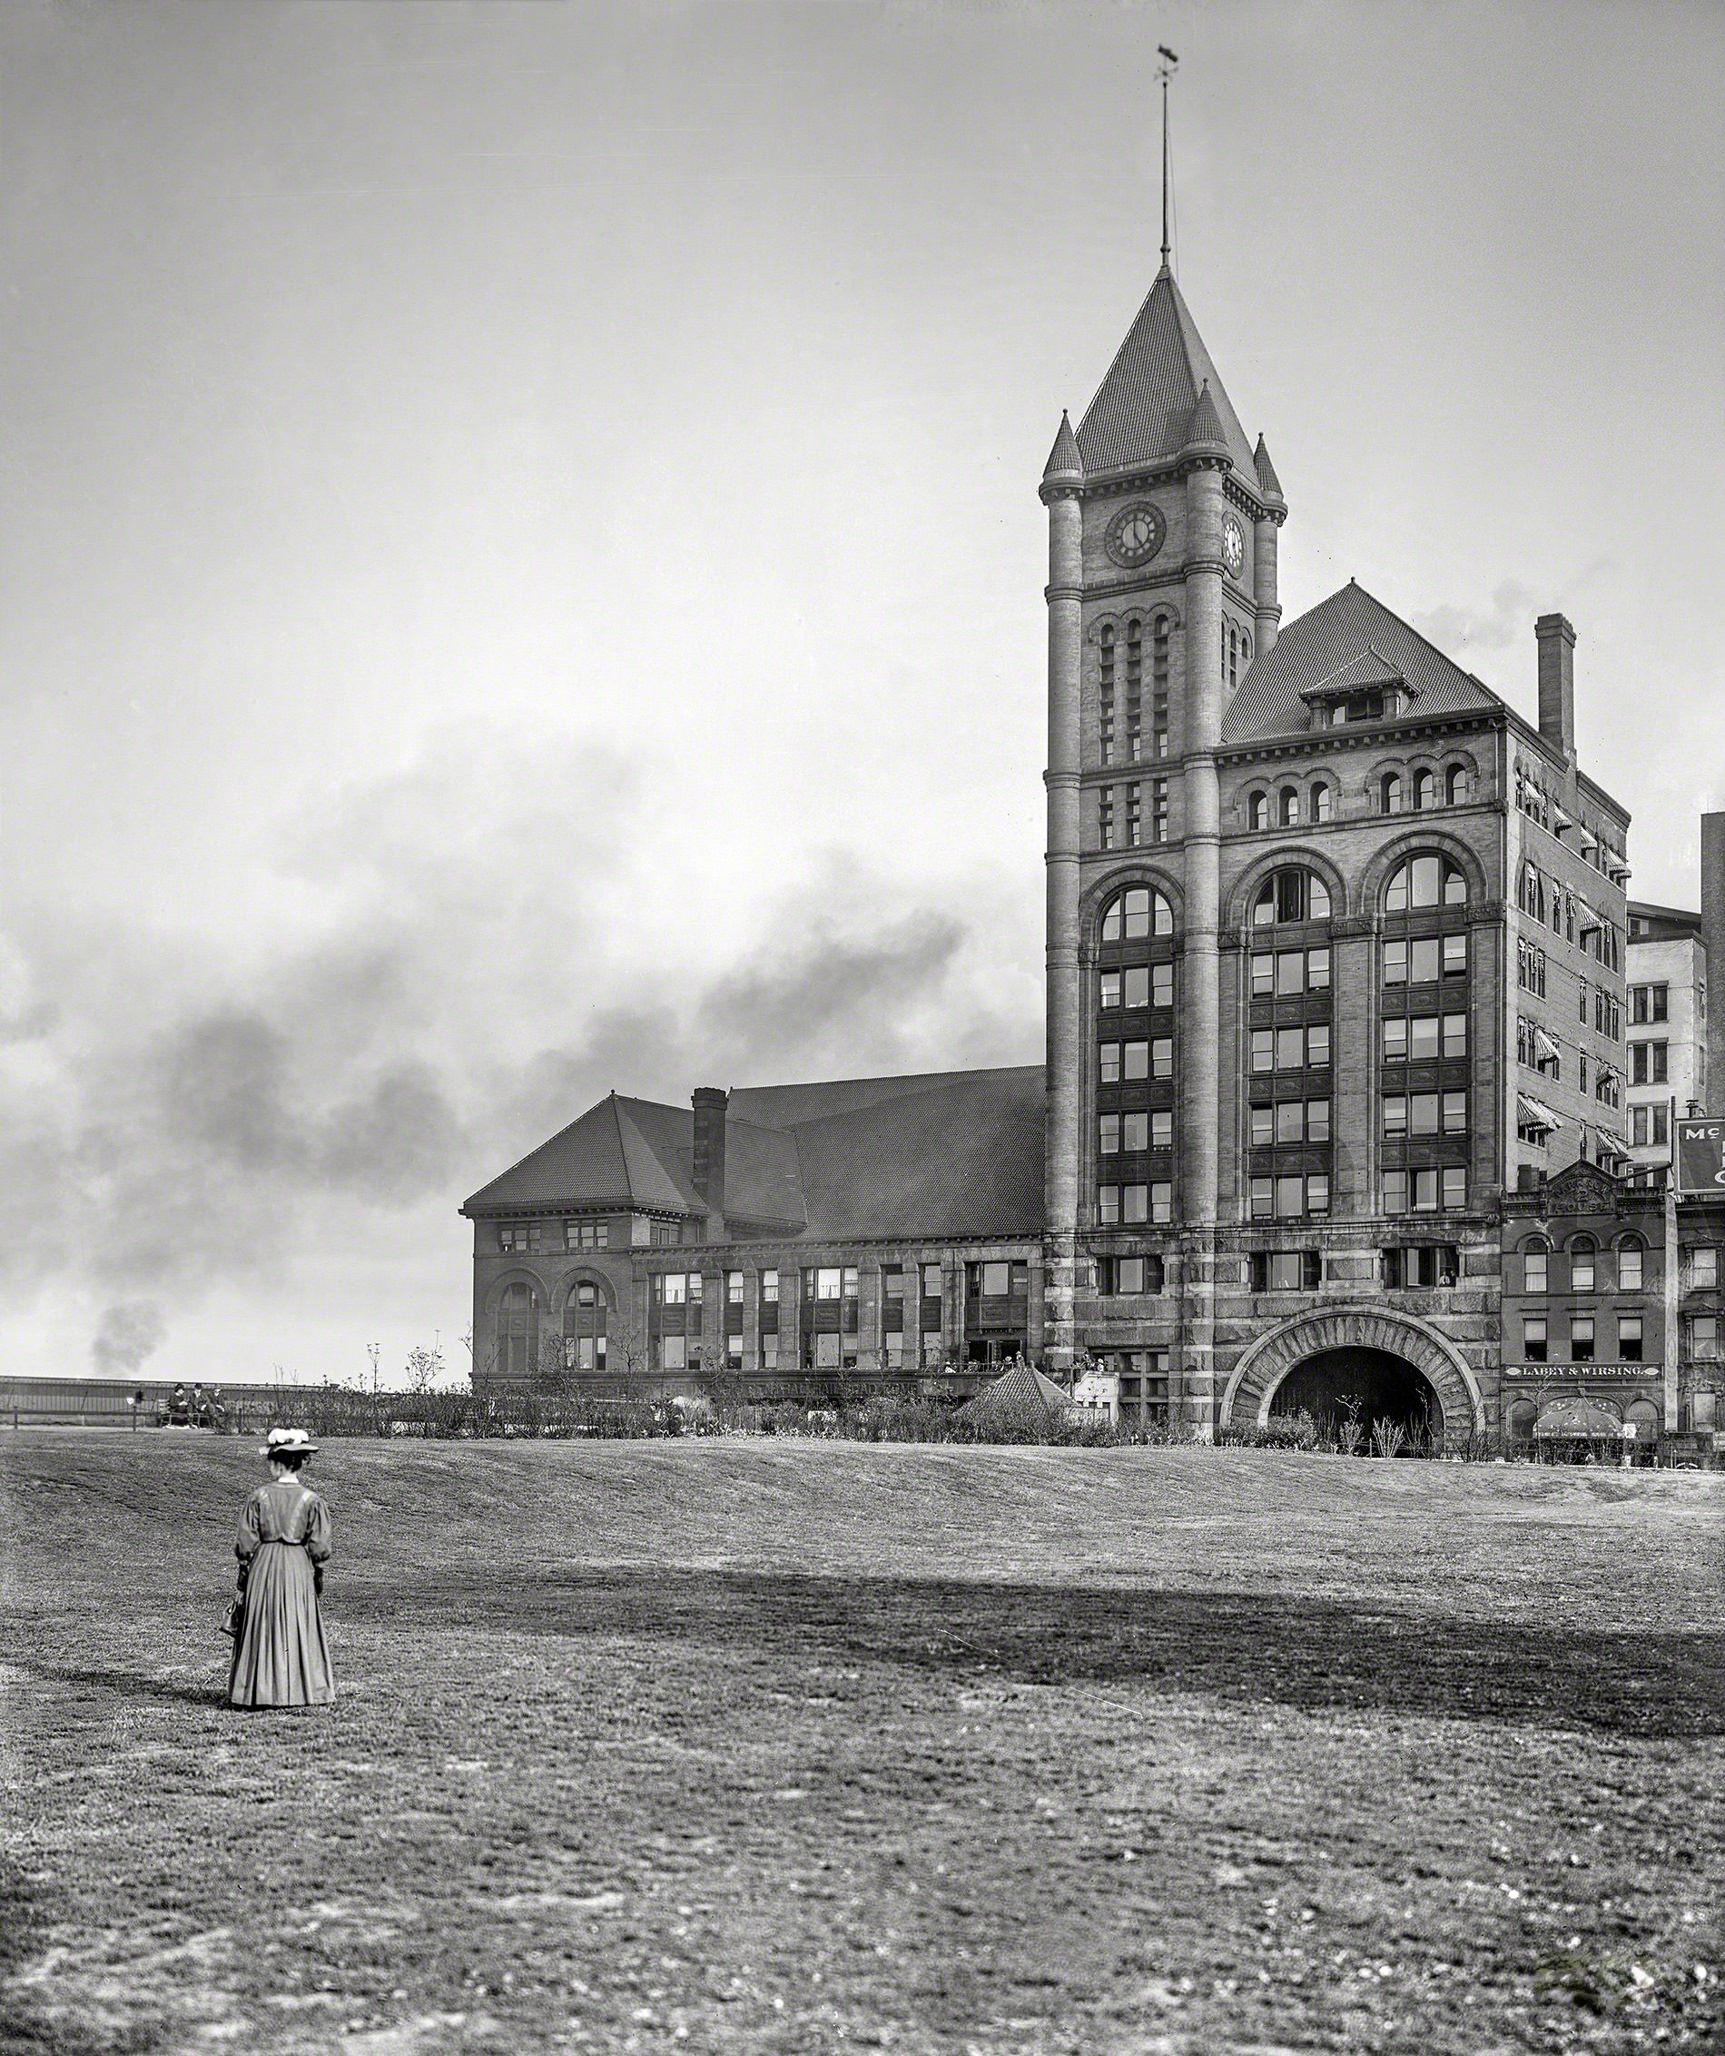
x=1269 y=1360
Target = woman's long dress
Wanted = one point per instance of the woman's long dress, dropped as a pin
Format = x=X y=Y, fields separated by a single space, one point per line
x=280 y=1655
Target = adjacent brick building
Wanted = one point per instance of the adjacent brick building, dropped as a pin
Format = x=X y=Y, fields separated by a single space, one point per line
x=1335 y=965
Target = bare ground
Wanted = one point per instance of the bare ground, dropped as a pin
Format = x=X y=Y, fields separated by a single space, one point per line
x=788 y=1748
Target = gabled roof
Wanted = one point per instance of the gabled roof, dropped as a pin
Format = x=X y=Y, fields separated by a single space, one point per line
x=1142 y=412
x=1358 y=674
x=946 y=1153
x=1023 y=1385
x=1313 y=650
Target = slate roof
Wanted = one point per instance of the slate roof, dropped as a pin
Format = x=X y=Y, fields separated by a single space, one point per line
x=1022 y=1385
x=1064 y=460
x=1313 y=649
x=1266 y=471
x=1143 y=409
x=940 y=1154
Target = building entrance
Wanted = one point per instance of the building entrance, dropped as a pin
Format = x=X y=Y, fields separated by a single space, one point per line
x=1367 y=1385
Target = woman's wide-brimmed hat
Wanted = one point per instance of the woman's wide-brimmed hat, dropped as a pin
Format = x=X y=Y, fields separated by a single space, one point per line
x=288 y=1442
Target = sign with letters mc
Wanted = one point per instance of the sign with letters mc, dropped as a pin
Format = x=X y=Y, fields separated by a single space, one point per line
x=1701 y=1156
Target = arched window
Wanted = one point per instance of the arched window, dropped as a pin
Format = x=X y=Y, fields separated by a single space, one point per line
x=517 y=1332
x=1233 y=656
x=1424 y=881
x=1425 y=792
x=1258 y=810
x=1293 y=894
x=1323 y=801
x=1245 y=647
x=1392 y=792
x=1631 y=1252
x=1137 y=912
x=585 y=1319
x=1530 y=894
x=1535 y=1258
x=1582 y=1250
x=1455 y=786
x=1288 y=805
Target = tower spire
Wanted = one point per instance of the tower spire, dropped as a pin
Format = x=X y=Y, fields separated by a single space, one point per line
x=1165 y=71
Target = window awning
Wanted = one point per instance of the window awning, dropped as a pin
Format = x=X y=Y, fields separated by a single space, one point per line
x=1578 y=1420
x=1545 y=1045
x=1535 y=1112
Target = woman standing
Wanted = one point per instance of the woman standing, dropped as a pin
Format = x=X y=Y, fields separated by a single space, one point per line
x=280 y=1655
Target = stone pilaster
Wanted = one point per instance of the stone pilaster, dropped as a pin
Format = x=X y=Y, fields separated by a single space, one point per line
x=1199 y=1054
x=1065 y=1055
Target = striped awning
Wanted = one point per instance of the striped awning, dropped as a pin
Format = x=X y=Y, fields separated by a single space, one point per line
x=1535 y=1113
x=1546 y=1046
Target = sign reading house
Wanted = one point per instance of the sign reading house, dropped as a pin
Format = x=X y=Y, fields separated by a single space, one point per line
x=1701 y=1156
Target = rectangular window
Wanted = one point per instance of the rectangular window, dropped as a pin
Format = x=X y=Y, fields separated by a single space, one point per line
x=1162 y=1200
x=1161 y=985
x=1629 y=1267
x=1638 y=1127
x=1108 y=1063
x=1581 y=1268
x=1318 y=970
x=1162 y=1056
x=1455 y=956
x=1423 y=960
x=1704 y=1337
x=1318 y=1045
x=1158 y=810
x=1395 y=1113
x=674 y=1352
x=1423 y=1038
x=1455 y=1035
x=1135 y=985
x=1291 y=1121
x=673 y=1288
x=734 y=1288
x=1285 y=1270
x=1455 y=1187
x=1263 y=1049
x=1422 y=1265
x=829 y=1282
x=1704 y=1268
x=1161 y=1127
x=1395 y=1192
x=769 y=1288
x=1134 y=816
x=1581 y=1338
x=1290 y=1049
x=1395 y=1038
x=1263 y=975
x=1108 y=1139
x=1533 y=1270
x=1396 y=962
x=931 y=1281
x=1126 y=1277
x=1108 y=990
x=1290 y=971
x=1455 y=1113
x=1263 y=1198
x=1661 y=1124
x=1629 y=1338
x=1105 y=818
x=1263 y=1126
x=586 y=1234
x=1534 y=1346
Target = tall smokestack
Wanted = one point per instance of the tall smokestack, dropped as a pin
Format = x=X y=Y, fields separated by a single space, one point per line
x=1713 y=942
x=710 y=1103
x=1556 y=681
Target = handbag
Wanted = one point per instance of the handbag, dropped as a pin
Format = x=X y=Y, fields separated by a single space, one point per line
x=234 y=1614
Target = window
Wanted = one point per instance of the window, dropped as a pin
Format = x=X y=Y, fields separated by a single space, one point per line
x=1424 y=881
x=520 y=1237
x=1290 y=1196
x=1581 y=1264
x=1704 y=1337
x=1159 y=688
x=586 y=1234
x=1581 y=1338
x=1424 y=959
x=1704 y=1268
x=584 y=1325
x=1424 y=1189
x=1105 y=818
x=1136 y=913
x=1629 y=1338
x=1530 y=894
x=673 y=1352
x=1286 y=1270
x=1289 y=1120
x=1649 y=1063
x=1258 y=810
x=1392 y=792
x=1134 y=816
x=769 y=1288
x=1291 y=1049
x=1534 y=1262
x=1455 y=786
x=664 y=1234
x=1425 y=792
x=1158 y=810
x=1132 y=1204
x=1323 y=801
x=1422 y=1038
x=1422 y=1266
x=1649 y=1002
x=733 y=1288
x=517 y=1331
x=1126 y=1277
x=998 y=1278
x=1290 y=895
x=1534 y=1347
x=1289 y=971
x=1530 y=966
x=1288 y=806
x=1630 y=1252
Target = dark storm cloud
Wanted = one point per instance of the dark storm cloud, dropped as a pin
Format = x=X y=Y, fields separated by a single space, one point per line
x=187 y=1119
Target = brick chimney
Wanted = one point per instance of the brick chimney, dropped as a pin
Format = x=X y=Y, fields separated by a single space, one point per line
x=710 y=1103
x=1713 y=942
x=1556 y=681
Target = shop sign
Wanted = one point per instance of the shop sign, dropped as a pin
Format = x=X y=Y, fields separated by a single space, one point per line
x=1701 y=1156
x=1585 y=1374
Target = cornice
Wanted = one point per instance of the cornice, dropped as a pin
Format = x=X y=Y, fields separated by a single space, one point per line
x=1360 y=735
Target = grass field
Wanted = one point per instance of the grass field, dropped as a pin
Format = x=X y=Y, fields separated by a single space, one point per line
x=788 y=1748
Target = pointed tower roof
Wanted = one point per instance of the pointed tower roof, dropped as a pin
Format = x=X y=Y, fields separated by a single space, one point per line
x=1064 y=462
x=1205 y=431
x=1267 y=479
x=1142 y=412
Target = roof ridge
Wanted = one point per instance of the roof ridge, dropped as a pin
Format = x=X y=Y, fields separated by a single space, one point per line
x=1472 y=677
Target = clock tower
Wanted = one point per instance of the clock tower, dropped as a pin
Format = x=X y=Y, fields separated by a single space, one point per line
x=1163 y=520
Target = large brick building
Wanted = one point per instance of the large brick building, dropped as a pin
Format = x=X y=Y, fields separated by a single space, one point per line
x=1335 y=960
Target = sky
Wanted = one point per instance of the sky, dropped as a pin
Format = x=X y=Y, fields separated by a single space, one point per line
x=523 y=571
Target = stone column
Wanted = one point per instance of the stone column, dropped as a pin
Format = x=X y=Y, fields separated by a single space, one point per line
x=1266 y=608
x=1065 y=1052
x=1199 y=1054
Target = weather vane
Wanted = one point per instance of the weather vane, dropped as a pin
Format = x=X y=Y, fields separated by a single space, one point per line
x=1165 y=71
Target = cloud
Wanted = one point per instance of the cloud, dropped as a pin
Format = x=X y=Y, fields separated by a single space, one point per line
x=436 y=999
x=1507 y=621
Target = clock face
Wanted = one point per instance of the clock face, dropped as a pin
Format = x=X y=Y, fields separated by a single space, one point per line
x=1135 y=534
x=1233 y=544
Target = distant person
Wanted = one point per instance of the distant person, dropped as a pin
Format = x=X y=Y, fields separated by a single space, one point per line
x=179 y=1408
x=200 y=1407
x=280 y=1655
x=218 y=1409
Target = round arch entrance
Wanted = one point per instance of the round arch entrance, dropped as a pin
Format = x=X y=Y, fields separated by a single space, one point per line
x=1366 y=1385
x=1345 y=1347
